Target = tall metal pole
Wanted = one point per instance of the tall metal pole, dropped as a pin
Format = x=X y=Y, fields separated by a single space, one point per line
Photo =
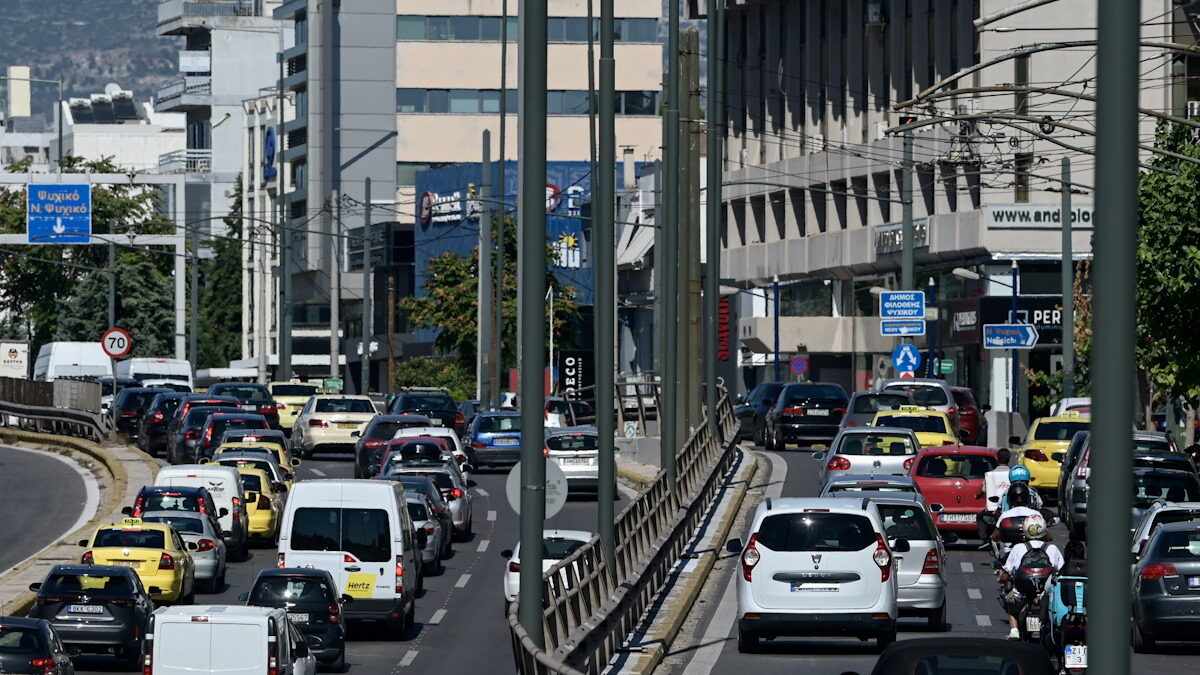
x=368 y=305
x=775 y=316
x=335 y=286
x=483 y=386
x=1068 y=285
x=284 y=322
x=907 y=282
x=605 y=312
x=501 y=193
x=714 y=206
x=194 y=301
x=60 y=125
x=1113 y=318
x=668 y=263
x=112 y=284
x=531 y=281
x=1015 y=394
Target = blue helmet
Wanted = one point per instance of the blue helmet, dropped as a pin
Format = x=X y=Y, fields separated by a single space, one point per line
x=1018 y=473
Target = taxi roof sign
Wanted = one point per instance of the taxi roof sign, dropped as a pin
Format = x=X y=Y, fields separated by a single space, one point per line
x=131 y=521
x=1070 y=413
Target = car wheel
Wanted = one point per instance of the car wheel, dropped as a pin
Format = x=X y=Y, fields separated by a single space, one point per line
x=339 y=664
x=937 y=619
x=219 y=582
x=133 y=657
x=748 y=641
x=1142 y=643
x=886 y=638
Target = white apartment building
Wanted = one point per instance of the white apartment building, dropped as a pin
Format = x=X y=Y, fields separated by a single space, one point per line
x=812 y=184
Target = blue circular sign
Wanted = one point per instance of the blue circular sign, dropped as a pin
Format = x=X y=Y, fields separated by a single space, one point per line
x=906 y=358
x=799 y=365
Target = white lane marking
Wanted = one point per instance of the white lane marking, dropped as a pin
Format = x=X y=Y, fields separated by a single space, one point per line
x=974 y=594
x=462 y=581
x=437 y=617
x=491 y=515
x=716 y=634
x=409 y=657
x=483 y=545
x=983 y=620
x=967 y=567
x=320 y=473
x=481 y=492
x=91 y=502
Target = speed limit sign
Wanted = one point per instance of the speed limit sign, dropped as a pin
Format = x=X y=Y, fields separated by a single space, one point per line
x=116 y=342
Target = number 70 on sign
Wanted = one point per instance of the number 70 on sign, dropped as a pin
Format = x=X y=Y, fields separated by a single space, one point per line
x=116 y=342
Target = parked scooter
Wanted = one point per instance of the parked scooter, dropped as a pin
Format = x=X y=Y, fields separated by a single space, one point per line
x=1065 y=637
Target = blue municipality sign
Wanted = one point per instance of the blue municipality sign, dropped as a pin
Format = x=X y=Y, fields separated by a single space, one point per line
x=902 y=305
x=58 y=214
x=906 y=358
x=1009 y=336
x=901 y=327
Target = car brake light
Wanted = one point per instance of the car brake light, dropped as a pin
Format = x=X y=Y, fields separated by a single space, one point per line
x=128 y=413
x=334 y=615
x=205 y=545
x=1036 y=455
x=950 y=410
x=280 y=562
x=264 y=502
x=794 y=410
x=882 y=558
x=459 y=420
x=1160 y=571
x=268 y=408
x=457 y=493
x=237 y=511
x=933 y=563
x=207 y=437
x=430 y=529
x=272 y=662
x=908 y=463
x=191 y=434
x=478 y=445
x=838 y=463
x=42 y=663
x=166 y=562
x=546 y=452
x=87 y=558
x=158 y=416
x=750 y=558
x=148 y=662
x=317 y=423
x=347 y=558
x=514 y=566
x=399 y=575
x=840 y=411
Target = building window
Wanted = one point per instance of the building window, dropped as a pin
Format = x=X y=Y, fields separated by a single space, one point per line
x=487 y=101
x=410 y=28
x=489 y=28
x=1022 y=165
x=410 y=100
x=638 y=102
x=464 y=101
x=301 y=104
x=300 y=29
x=437 y=100
x=473 y=28
x=464 y=28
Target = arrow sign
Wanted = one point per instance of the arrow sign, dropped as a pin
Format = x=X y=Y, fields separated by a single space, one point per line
x=1009 y=336
x=906 y=358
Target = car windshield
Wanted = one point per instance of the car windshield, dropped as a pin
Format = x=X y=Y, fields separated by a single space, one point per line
x=363 y=533
x=875 y=444
x=918 y=423
x=1058 y=431
x=344 y=405
x=170 y=501
x=905 y=522
x=293 y=389
x=197 y=416
x=19 y=640
x=1180 y=546
x=557 y=548
x=181 y=525
x=426 y=402
x=1149 y=488
x=870 y=403
x=816 y=532
x=97 y=586
x=573 y=442
x=167 y=405
x=281 y=591
x=246 y=393
x=129 y=538
x=962 y=398
x=491 y=424
x=1151 y=445
x=955 y=466
x=223 y=424
x=418 y=484
x=923 y=395
x=417 y=512
x=262 y=464
x=869 y=487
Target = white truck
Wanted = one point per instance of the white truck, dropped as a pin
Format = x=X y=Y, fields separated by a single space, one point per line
x=71 y=359
x=171 y=373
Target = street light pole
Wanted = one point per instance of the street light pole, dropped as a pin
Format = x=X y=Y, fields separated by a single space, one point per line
x=775 y=313
x=714 y=205
x=604 y=231
x=367 y=305
x=1068 y=285
x=1016 y=399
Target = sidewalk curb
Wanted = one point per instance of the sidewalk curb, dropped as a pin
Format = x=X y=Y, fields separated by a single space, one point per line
x=659 y=639
x=112 y=495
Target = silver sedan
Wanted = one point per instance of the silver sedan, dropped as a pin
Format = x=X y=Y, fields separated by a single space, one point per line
x=423 y=518
x=210 y=554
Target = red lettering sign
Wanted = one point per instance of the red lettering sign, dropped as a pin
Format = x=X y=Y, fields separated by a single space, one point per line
x=723 y=330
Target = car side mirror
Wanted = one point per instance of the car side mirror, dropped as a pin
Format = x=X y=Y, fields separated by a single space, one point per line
x=818 y=456
x=127 y=510
x=422 y=539
x=279 y=487
x=244 y=597
x=346 y=599
x=949 y=537
x=222 y=512
x=83 y=543
x=297 y=461
x=1014 y=440
x=734 y=545
x=355 y=434
x=373 y=470
x=35 y=586
x=192 y=546
x=901 y=546
x=936 y=508
x=506 y=553
x=154 y=590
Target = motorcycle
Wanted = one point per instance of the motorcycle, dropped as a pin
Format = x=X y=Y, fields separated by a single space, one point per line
x=1030 y=582
x=1066 y=620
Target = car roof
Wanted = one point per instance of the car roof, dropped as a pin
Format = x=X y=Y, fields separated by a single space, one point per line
x=848 y=431
x=958 y=449
x=572 y=431
x=296 y=572
x=355 y=397
x=797 y=504
x=1181 y=526
x=226 y=610
x=247 y=415
x=929 y=381
x=172 y=488
x=878 y=392
x=500 y=413
x=141 y=526
x=882 y=497
x=900 y=412
x=194 y=515
x=96 y=570
x=400 y=418
x=1154 y=470
x=23 y=622
x=266 y=456
x=215 y=409
x=868 y=478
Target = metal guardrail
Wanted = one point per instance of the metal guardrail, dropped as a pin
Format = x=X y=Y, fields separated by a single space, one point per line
x=195 y=85
x=591 y=605
x=58 y=421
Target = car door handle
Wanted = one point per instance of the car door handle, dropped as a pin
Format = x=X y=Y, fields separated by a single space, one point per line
x=353 y=568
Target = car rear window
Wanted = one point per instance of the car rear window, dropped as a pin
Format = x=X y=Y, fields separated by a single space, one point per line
x=129 y=538
x=816 y=532
x=181 y=525
x=813 y=392
x=875 y=402
x=425 y=402
x=441 y=481
x=557 y=548
x=419 y=484
x=95 y=585
x=876 y=444
x=963 y=398
x=135 y=400
x=869 y=487
x=1148 y=489
x=246 y=393
x=294 y=390
x=573 y=442
x=344 y=405
x=493 y=424
x=905 y=522
x=1151 y=445
x=21 y=640
x=170 y=501
x=388 y=429
x=923 y=394
x=1172 y=516
x=363 y=533
x=1058 y=431
x=917 y=423
x=280 y=591
x=251 y=482
x=263 y=464
x=220 y=426
x=417 y=512
x=1184 y=546
x=955 y=466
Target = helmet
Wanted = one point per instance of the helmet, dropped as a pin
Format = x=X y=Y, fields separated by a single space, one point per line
x=1018 y=473
x=1018 y=495
x=1034 y=527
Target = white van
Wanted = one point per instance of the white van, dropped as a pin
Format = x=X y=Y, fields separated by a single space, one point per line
x=225 y=639
x=71 y=359
x=360 y=531
x=157 y=372
x=225 y=485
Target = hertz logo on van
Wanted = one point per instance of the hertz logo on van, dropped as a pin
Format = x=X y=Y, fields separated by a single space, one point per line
x=359 y=586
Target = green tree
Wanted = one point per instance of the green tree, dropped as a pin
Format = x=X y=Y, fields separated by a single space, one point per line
x=1047 y=388
x=144 y=305
x=220 y=320
x=424 y=371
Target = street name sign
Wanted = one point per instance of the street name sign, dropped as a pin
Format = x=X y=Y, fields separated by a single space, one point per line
x=58 y=214
x=1009 y=336
x=902 y=305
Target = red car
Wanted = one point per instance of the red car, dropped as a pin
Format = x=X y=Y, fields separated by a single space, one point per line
x=970 y=418
x=952 y=476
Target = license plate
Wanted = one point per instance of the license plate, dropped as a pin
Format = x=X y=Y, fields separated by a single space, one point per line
x=297 y=617
x=126 y=563
x=1075 y=656
x=433 y=421
x=958 y=517
x=817 y=412
x=347 y=425
x=505 y=441
x=85 y=609
x=1193 y=582
x=1033 y=624
x=576 y=461
x=801 y=587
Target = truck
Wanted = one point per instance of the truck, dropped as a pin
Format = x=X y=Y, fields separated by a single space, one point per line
x=75 y=360
x=171 y=373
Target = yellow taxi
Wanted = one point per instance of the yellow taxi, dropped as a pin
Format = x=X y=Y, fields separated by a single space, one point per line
x=238 y=460
x=156 y=553
x=265 y=446
x=1046 y=447
x=932 y=427
x=291 y=397
x=263 y=504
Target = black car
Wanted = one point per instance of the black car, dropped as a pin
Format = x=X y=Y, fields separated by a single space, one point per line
x=255 y=398
x=152 y=435
x=425 y=485
x=753 y=410
x=175 y=498
x=106 y=384
x=804 y=414
x=218 y=423
x=96 y=608
x=374 y=438
x=469 y=410
x=1150 y=485
x=130 y=405
x=313 y=604
x=186 y=439
x=963 y=655
x=32 y=646
x=196 y=401
x=436 y=404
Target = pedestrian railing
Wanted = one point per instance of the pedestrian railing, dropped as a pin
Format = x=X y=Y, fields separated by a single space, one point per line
x=634 y=401
x=591 y=605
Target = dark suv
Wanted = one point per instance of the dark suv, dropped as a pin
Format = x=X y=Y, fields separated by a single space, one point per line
x=96 y=608
x=753 y=410
x=313 y=603
x=130 y=405
x=255 y=398
x=804 y=413
x=32 y=646
x=175 y=498
x=218 y=423
x=436 y=404
x=375 y=437
x=152 y=436
x=185 y=441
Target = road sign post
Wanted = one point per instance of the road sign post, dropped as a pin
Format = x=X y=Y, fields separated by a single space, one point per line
x=116 y=343
x=799 y=365
x=58 y=214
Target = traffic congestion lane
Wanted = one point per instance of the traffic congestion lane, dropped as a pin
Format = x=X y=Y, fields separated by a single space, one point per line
x=43 y=497
x=460 y=615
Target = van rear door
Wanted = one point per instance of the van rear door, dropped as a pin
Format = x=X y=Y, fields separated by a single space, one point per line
x=242 y=648
x=182 y=646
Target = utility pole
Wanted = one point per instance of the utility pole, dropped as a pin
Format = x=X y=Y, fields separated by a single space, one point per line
x=669 y=261
x=531 y=281
x=1068 y=285
x=1114 y=314
x=714 y=206
x=284 y=270
x=335 y=286
x=368 y=307
x=112 y=285
x=605 y=311
x=660 y=271
x=390 y=385
x=483 y=361
x=775 y=319
x=499 y=190
x=906 y=197
x=689 y=234
x=194 y=299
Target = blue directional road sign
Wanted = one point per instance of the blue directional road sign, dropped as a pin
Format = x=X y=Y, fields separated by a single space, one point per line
x=901 y=327
x=906 y=358
x=902 y=305
x=1009 y=336
x=58 y=214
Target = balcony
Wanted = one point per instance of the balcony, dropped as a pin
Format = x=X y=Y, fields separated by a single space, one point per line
x=187 y=93
x=177 y=17
x=185 y=161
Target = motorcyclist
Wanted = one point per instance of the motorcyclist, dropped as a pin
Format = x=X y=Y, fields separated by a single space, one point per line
x=1036 y=536
x=995 y=484
x=1020 y=474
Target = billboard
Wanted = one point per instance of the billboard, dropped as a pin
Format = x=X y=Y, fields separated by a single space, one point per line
x=14 y=359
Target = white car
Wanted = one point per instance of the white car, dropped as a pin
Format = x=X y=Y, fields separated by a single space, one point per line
x=456 y=444
x=816 y=567
x=556 y=545
x=331 y=423
x=576 y=450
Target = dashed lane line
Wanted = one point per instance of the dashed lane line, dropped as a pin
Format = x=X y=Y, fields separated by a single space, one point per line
x=462 y=581
x=318 y=472
x=974 y=594
x=409 y=657
x=481 y=492
x=967 y=567
x=983 y=620
x=483 y=546
x=437 y=617
x=491 y=516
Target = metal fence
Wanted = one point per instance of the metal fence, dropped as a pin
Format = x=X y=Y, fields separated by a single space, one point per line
x=64 y=407
x=635 y=401
x=591 y=605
